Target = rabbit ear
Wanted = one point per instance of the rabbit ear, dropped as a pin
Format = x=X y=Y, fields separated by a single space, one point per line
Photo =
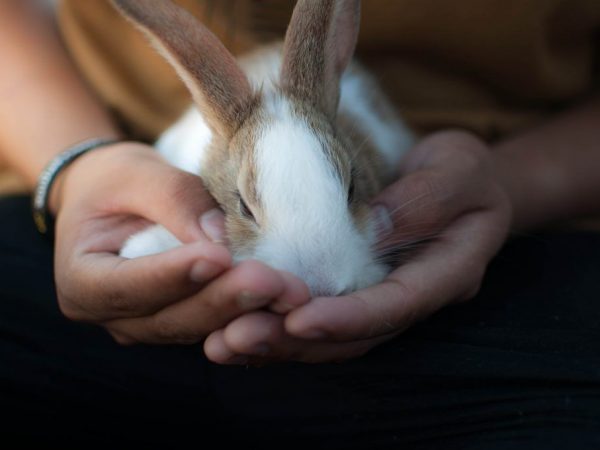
x=209 y=71
x=319 y=44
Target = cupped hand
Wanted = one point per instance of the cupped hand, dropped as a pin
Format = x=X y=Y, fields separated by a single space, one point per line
x=179 y=296
x=452 y=214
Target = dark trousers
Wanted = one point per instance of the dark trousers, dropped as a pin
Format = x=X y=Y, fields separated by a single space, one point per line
x=516 y=368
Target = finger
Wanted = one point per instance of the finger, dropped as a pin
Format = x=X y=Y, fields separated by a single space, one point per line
x=215 y=346
x=121 y=338
x=102 y=286
x=106 y=235
x=247 y=287
x=422 y=203
x=444 y=148
x=295 y=295
x=449 y=269
x=261 y=337
x=449 y=174
x=154 y=190
x=172 y=197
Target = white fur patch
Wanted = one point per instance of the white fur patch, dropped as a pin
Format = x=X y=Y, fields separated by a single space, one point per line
x=152 y=240
x=262 y=66
x=374 y=116
x=183 y=144
x=361 y=99
x=307 y=229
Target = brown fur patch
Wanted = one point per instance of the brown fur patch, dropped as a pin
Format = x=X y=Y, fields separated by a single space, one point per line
x=318 y=45
x=310 y=79
x=351 y=153
x=210 y=72
x=229 y=171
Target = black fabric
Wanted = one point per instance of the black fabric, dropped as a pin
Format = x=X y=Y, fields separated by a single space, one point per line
x=516 y=368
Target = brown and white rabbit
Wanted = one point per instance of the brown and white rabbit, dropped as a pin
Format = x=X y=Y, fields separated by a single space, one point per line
x=293 y=141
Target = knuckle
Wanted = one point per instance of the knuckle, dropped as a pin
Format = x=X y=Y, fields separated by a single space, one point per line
x=176 y=184
x=181 y=186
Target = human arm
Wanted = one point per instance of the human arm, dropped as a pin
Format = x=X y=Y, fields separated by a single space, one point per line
x=44 y=105
x=536 y=178
x=106 y=194
x=551 y=172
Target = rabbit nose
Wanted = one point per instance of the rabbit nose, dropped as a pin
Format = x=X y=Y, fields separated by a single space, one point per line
x=323 y=291
x=345 y=291
x=323 y=287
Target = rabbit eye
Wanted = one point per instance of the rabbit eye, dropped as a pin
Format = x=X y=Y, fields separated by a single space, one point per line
x=351 y=191
x=245 y=210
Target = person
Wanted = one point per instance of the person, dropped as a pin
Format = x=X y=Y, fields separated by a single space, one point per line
x=509 y=121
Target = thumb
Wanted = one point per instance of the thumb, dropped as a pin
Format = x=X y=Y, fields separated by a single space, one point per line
x=411 y=208
x=176 y=199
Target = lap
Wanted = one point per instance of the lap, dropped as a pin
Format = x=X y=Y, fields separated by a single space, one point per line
x=518 y=365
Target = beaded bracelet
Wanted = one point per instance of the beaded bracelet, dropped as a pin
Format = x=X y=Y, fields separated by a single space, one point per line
x=41 y=215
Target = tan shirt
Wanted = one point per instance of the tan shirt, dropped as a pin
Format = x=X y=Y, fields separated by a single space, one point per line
x=490 y=66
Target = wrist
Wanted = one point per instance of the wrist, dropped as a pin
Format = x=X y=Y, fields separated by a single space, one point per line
x=46 y=197
x=95 y=167
x=55 y=195
x=57 y=190
x=550 y=171
x=534 y=186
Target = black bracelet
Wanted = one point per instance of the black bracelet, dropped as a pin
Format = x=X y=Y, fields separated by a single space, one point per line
x=41 y=216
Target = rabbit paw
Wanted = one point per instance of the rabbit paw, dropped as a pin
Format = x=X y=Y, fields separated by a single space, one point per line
x=152 y=240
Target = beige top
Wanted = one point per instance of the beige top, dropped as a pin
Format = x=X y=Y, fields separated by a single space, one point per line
x=490 y=66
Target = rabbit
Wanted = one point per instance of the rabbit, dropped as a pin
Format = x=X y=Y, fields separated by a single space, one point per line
x=292 y=141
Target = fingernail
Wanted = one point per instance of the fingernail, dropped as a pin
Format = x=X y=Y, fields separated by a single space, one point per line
x=260 y=350
x=213 y=224
x=250 y=300
x=283 y=308
x=383 y=220
x=204 y=270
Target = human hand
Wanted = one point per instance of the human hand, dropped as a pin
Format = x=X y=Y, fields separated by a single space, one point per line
x=178 y=296
x=450 y=202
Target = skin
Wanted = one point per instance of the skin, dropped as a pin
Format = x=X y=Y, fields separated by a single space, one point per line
x=450 y=192
x=467 y=194
x=179 y=296
x=250 y=312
